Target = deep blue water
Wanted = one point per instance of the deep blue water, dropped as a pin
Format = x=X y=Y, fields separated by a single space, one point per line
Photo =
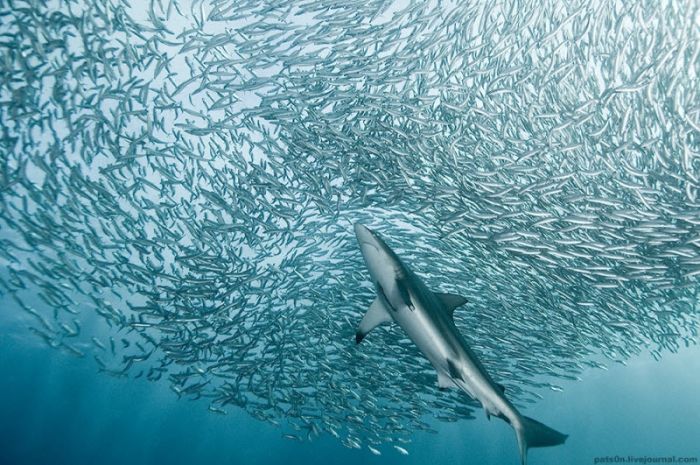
x=56 y=409
x=197 y=171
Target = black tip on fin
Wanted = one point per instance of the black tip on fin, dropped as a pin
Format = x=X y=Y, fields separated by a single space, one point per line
x=359 y=337
x=501 y=387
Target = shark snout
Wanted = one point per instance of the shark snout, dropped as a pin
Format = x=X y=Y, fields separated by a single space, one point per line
x=370 y=246
x=362 y=231
x=365 y=236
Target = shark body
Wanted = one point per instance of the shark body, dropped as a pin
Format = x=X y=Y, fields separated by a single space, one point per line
x=427 y=319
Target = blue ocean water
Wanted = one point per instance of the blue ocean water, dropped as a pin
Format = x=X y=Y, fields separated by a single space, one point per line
x=179 y=184
x=56 y=409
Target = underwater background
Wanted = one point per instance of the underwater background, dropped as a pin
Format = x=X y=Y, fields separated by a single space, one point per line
x=179 y=280
x=57 y=409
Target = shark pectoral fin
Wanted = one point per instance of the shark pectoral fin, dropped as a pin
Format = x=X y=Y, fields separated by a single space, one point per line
x=375 y=316
x=444 y=381
x=451 y=301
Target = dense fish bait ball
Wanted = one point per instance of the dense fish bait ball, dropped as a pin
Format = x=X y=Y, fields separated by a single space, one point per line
x=178 y=185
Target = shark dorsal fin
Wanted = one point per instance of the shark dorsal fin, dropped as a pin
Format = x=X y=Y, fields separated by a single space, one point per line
x=451 y=301
x=375 y=316
x=453 y=370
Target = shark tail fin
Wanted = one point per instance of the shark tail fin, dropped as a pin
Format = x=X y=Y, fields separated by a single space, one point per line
x=532 y=433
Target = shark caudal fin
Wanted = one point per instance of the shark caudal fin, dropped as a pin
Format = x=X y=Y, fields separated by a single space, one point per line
x=531 y=433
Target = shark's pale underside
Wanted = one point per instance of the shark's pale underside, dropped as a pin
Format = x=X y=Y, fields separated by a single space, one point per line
x=426 y=317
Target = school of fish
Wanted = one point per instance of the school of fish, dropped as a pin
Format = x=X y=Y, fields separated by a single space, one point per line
x=179 y=183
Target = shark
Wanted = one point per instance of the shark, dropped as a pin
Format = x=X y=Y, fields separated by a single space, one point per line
x=427 y=318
